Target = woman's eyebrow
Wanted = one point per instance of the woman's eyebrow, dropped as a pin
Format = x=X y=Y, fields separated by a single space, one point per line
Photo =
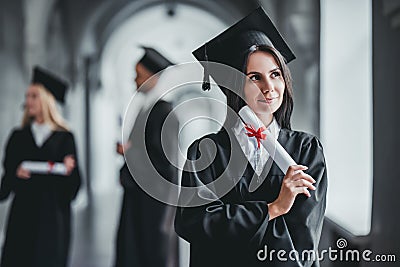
x=252 y=72
x=256 y=72
x=275 y=69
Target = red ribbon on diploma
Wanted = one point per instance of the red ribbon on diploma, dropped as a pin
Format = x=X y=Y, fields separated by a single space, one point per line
x=51 y=165
x=252 y=132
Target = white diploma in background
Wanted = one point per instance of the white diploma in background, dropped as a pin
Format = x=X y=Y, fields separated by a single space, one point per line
x=44 y=167
x=273 y=147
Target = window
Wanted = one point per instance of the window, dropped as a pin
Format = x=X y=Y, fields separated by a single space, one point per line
x=346 y=111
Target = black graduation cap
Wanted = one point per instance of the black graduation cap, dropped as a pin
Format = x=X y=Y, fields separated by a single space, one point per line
x=153 y=60
x=55 y=85
x=230 y=46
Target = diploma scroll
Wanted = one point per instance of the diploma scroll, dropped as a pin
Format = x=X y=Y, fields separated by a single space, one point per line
x=45 y=167
x=273 y=147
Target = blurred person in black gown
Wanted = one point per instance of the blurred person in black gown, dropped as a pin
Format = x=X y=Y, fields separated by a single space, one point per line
x=40 y=169
x=145 y=234
x=285 y=212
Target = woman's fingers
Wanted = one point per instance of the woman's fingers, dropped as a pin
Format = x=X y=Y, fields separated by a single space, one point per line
x=295 y=182
x=127 y=145
x=295 y=169
x=302 y=175
x=120 y=149
x=295 y=190
x=69 y=162
x=303 y=190
x=69 y=158
x=304 y=183
x=23 y=173
x=295 y=172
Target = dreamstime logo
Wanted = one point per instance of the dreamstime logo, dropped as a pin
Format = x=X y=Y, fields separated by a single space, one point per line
x=341 y=243
x=332 y=254
x=142 y=162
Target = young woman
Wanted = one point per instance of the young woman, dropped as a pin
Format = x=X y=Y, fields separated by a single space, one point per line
x=279 y=222
x=39 y=222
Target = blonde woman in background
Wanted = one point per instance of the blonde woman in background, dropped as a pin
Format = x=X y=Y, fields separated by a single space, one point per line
x=40 y=169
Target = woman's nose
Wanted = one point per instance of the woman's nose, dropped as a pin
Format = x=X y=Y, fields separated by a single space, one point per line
x=264 y=90
x=267 y=86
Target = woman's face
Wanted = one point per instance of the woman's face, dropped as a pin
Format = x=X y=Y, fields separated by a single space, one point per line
x=142 y=77
x=32 y=101
x=263 y=71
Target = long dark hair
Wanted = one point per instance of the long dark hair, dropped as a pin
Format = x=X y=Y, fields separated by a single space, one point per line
x=284 y=112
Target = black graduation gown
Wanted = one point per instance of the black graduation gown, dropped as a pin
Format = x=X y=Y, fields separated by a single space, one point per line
x=146 y=236
x=232 y=230
x=39 y=222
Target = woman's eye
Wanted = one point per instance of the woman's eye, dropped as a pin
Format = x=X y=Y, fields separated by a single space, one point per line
x=255 y=77
x=276 y=74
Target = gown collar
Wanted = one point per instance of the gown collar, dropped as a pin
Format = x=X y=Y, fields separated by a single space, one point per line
x=257 y=156
x=40 y=132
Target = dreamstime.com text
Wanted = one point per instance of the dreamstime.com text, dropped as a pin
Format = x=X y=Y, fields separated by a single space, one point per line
x=340 y=253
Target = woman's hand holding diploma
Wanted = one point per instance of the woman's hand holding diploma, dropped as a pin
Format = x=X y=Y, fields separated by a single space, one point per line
x=295 y=182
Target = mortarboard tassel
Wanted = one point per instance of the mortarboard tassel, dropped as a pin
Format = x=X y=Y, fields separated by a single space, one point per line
x=206 y=80
x=206 y=76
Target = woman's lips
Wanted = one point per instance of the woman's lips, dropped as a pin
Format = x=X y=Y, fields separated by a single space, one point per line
x=267 y=100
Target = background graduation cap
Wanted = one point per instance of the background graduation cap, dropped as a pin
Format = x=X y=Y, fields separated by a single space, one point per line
x=56 y=86
x=230 y=46
x=153 y=60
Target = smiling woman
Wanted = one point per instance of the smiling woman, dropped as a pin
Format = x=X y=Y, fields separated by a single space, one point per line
x=286 y=210
x=271 y=84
